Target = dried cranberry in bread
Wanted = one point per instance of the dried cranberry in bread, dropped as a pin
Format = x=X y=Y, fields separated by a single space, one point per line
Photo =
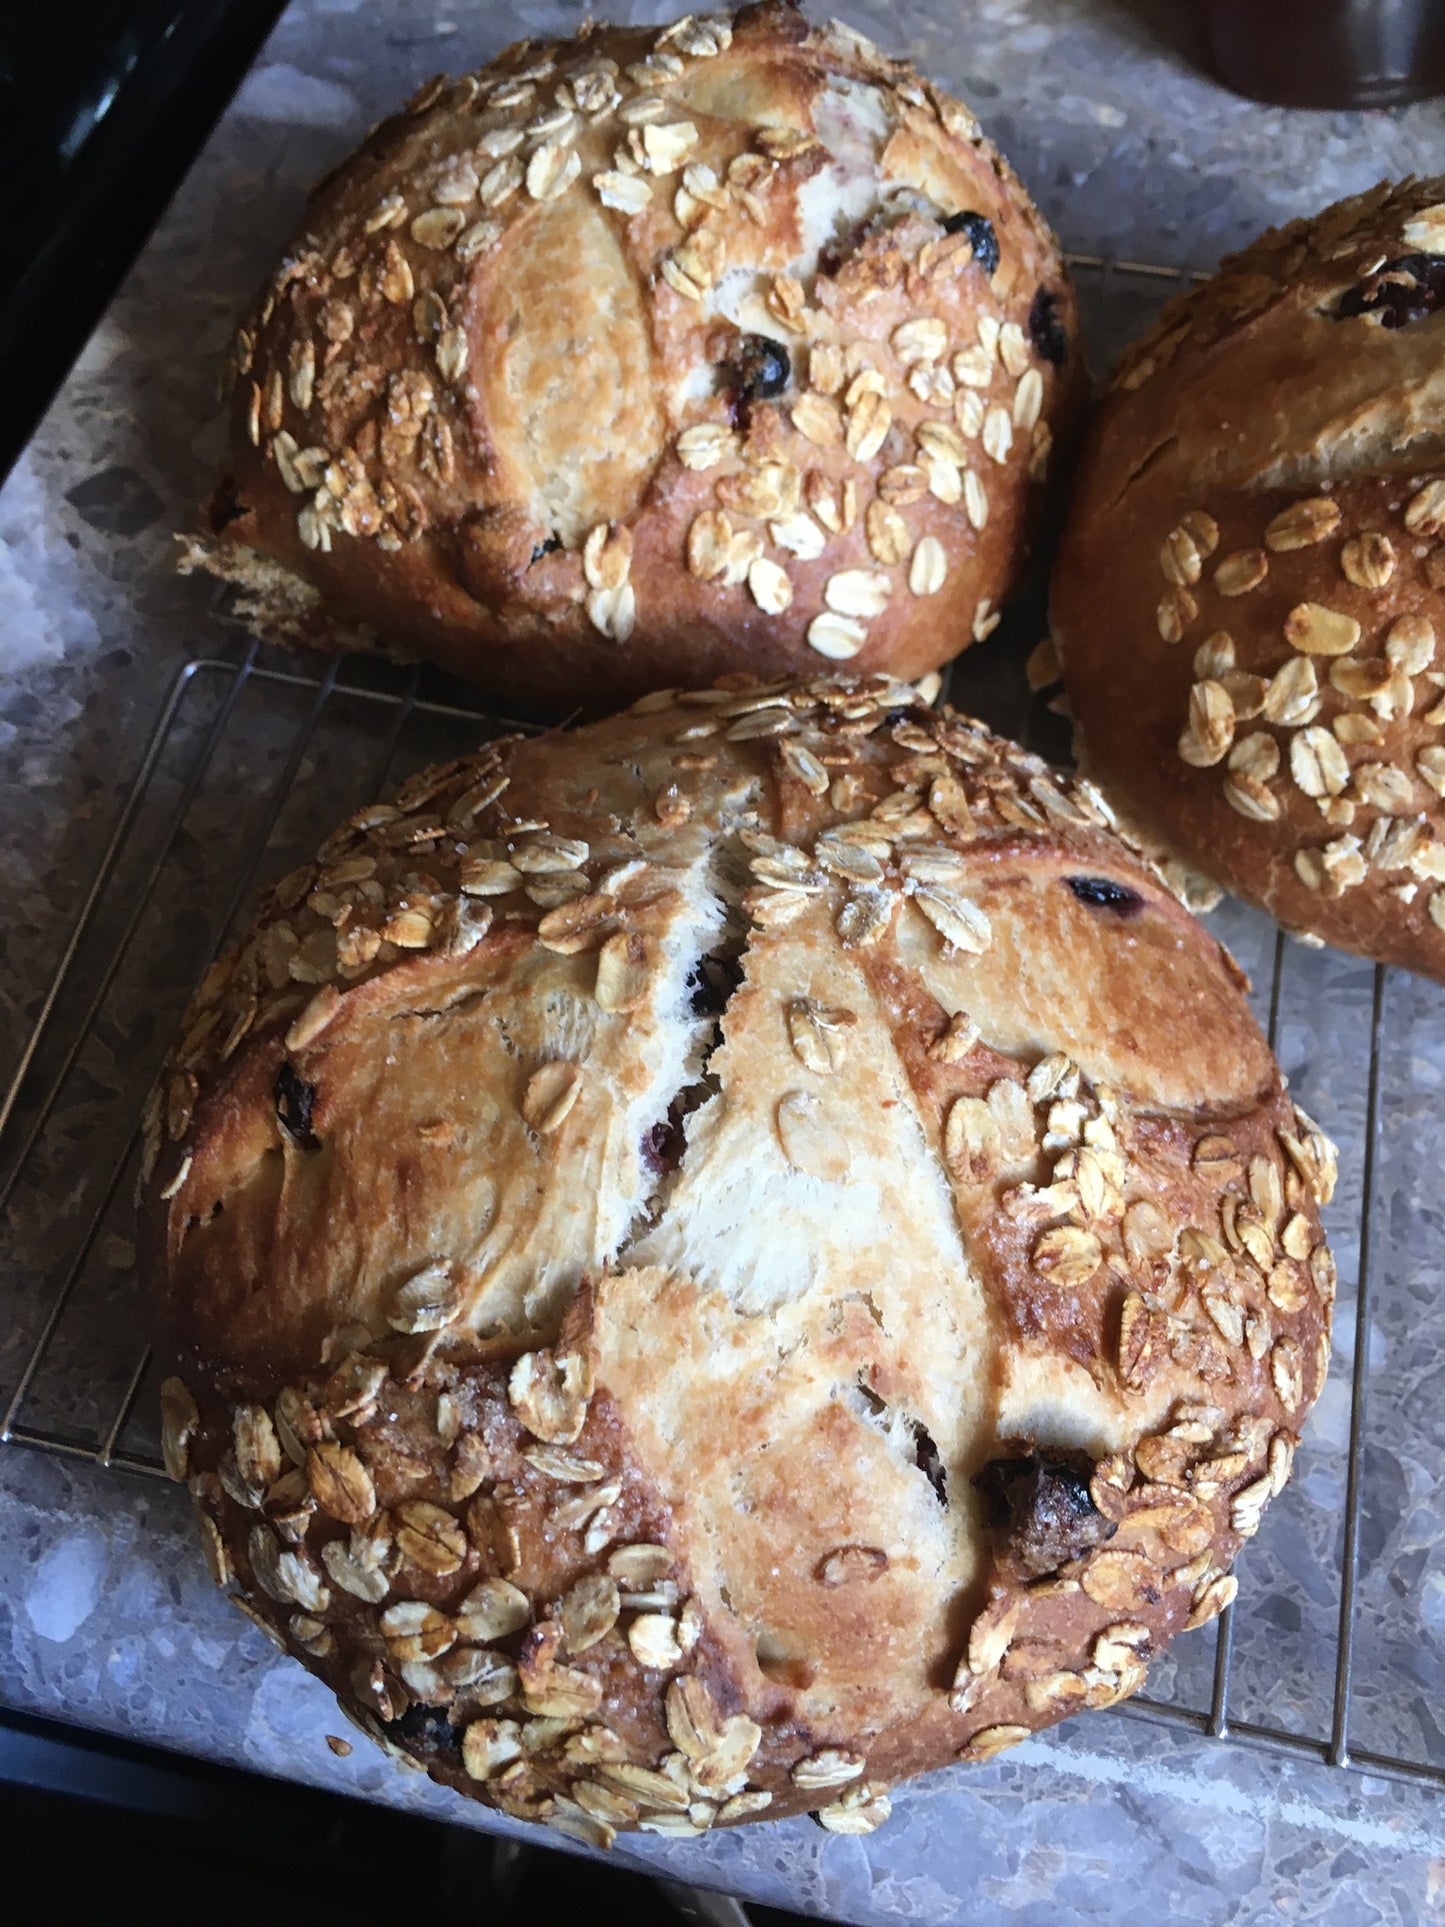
x=715 y=1262
x=1250 y=593
x=649 y=356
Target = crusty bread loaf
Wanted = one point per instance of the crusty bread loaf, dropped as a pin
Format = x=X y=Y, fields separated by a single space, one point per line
x=724 y=1259
x=646 y=357
x=1249 y=593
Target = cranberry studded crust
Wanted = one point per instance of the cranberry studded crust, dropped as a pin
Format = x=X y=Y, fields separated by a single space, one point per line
x=719 y=1261
x=1249 y=594
x=650 y=356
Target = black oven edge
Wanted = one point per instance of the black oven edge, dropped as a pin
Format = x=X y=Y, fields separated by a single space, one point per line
x=113 y=191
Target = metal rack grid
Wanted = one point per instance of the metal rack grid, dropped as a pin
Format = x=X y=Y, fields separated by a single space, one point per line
x=328 y=735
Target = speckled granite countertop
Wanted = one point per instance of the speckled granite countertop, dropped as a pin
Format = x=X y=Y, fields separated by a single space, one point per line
x=106 y=1616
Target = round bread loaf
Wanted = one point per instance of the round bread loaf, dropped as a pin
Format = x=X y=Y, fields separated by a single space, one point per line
x=649 y=356
x=1248 y=597
x=718 y=1261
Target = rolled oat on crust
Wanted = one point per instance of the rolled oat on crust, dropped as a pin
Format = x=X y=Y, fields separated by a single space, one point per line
x=648 y=356
x=715 y=1262
x=1250 y=593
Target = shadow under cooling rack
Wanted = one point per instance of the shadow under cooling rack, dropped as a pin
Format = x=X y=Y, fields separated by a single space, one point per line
x=1335 y=1650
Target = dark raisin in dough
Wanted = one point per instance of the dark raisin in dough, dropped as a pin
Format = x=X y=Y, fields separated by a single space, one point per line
x=929 y=1460
x=1043 y=1508
x=294 y=1101
x=761 y=367
x=426 y=1728
x=1102 y=894
x=1046 y=331
x=1409 y=288
x=664 y=1144
x=980 y=232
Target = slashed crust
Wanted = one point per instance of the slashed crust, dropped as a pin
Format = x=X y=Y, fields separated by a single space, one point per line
x=718 y=1261
x=647 y=357
x=1249 y=593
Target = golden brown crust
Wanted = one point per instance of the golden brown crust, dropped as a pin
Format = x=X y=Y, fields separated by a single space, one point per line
x=716 y=1262
x=502 y=403
x=1249 y=591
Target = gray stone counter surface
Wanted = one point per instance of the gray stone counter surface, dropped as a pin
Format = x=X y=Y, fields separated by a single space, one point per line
x=106 y=1615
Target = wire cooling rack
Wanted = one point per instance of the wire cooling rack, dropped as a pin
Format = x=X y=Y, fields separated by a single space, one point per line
x=1335 y=1650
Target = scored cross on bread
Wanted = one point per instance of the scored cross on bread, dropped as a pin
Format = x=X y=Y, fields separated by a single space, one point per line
x=648 y=356
x=716 y=1261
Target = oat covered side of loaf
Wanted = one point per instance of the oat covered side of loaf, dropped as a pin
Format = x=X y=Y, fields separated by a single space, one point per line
x=717 y=1261
x=650 y=356
x=1250 y=591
